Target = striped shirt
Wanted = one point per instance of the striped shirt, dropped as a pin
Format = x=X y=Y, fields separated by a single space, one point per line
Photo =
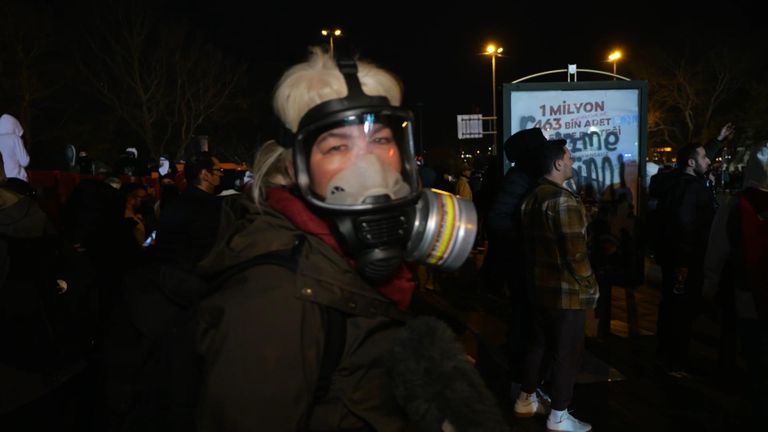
x=554 y=226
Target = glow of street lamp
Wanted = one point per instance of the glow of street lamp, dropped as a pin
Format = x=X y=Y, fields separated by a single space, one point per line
x=336 y=32
x=493 y=50
x=330 y=34
x=614 y=58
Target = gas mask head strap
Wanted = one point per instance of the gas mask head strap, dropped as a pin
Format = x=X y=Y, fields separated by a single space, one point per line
x=355 y=99
x=348 y=69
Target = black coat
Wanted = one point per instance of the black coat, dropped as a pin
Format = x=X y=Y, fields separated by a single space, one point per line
x=505 y=261
x=686 y=214
x=187 y=229
x=45 y=335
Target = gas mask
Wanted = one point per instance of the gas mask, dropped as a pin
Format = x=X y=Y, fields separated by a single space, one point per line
x=355 y=164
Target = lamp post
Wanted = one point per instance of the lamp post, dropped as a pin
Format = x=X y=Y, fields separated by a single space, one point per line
x=493 y=51
x=614 y=57
x=336 y=32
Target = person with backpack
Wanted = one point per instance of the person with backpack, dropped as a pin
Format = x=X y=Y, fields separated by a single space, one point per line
x=314 y=339
x=734 y=268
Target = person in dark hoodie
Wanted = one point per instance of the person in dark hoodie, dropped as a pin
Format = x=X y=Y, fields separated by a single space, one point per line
x=42 y=321
x=504 y=267
x=304 y=343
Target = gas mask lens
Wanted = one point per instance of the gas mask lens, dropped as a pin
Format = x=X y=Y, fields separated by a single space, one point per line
x=360 y=167
x=360 y=162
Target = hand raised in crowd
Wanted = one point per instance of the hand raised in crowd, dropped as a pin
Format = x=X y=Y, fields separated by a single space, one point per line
x=726 y=132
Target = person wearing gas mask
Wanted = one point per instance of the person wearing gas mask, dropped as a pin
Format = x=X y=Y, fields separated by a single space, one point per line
x=311 y=331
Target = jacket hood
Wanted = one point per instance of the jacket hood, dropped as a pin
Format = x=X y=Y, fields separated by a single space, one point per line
x=259 y=232
x=20 y=217
x=317 y=264
x=9 y=125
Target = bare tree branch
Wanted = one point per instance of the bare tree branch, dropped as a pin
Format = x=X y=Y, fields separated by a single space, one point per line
x=165 y=89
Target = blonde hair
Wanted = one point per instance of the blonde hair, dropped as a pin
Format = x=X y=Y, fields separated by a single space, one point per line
x=271 y=167
x=318 y=80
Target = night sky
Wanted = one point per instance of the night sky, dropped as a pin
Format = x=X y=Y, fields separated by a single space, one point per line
x=438 y=53
x=442 y=47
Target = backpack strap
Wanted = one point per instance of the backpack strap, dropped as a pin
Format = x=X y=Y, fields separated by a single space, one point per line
x=335 y=320
x=333 y=349
x=287 y=258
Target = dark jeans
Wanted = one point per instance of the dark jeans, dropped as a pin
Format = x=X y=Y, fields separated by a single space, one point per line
x=603 y=309
x=518 y=320
x=676 y=315
x=559 y=335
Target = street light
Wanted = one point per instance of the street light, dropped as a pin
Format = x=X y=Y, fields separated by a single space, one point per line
x=614 y=57
x=331 y=34
x=493 y=51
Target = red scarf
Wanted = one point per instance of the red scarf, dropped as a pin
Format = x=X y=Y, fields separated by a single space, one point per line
x=755 y=239
x=399 y=289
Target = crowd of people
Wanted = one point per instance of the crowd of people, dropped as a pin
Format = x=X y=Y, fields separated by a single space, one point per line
x=288 y=306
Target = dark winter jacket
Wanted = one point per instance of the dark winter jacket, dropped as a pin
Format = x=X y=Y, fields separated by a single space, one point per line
x=43 y=333
x=266 y=332
x=504 y=265
x=503 y=222
x=686 y=214
x=187 y=228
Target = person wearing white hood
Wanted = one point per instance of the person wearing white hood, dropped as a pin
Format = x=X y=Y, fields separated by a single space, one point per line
x=15 y=155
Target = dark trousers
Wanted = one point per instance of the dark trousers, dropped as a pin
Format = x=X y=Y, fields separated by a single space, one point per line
x=603 y=309
x=557 y=343
x=754 y=342
x=517 y=319
x=677 y=312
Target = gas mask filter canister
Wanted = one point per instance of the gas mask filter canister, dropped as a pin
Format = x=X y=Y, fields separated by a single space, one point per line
x=441 y=227
x=443 y=230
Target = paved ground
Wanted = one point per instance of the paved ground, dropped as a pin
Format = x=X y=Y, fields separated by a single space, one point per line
x=620 y=387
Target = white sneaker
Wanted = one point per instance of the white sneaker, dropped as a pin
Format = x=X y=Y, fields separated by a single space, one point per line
x=530 y=406
x=568 y=423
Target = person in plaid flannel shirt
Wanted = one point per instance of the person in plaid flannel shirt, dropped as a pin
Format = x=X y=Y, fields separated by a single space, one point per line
x=564 y=287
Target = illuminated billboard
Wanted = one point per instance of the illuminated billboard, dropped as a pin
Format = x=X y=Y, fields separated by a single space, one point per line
x=604 y=122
